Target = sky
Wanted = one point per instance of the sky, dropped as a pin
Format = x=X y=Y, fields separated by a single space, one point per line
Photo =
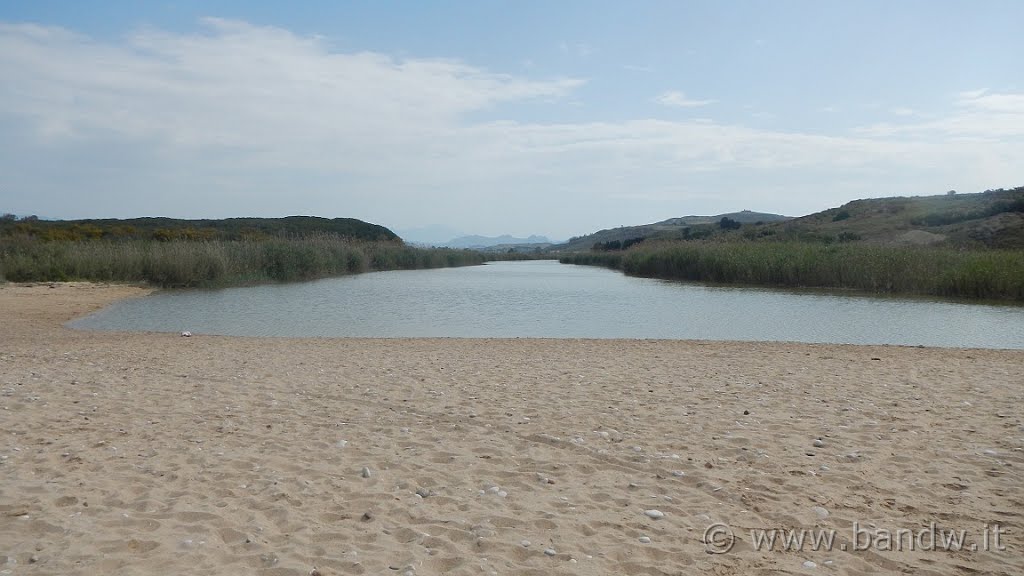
x=493 y=117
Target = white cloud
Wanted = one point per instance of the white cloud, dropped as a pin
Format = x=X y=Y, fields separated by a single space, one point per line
x=978 y=115
x=998 y=103
x=245 y=120
x=679 y=100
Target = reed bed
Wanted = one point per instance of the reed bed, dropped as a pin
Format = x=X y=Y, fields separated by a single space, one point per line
x=214 y=263
x=980 y=274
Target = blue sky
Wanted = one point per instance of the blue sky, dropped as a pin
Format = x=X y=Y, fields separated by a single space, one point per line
x=556 y=118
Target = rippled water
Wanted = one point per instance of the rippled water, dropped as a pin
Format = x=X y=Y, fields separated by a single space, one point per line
x=551 y=300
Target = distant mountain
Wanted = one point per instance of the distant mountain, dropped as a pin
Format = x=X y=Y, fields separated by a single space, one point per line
x=432 y=235
x=479 y=242
x=673 y=228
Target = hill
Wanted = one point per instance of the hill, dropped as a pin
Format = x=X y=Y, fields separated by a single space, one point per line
x=171 y=228
x=671 y=229
x=990 y=219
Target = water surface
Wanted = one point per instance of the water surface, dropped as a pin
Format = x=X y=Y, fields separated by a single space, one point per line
x=552 y=300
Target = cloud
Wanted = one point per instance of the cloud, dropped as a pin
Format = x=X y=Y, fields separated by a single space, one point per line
x=238 y=84
x=236 y=119
x=998 y=103
x=978 y=115
x=679 y=100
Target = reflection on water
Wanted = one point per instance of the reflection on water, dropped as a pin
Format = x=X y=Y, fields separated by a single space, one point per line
x=551 y=300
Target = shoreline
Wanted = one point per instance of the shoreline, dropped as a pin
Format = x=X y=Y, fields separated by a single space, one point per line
x=139 y=453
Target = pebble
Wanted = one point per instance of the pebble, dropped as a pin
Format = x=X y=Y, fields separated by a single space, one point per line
x=365 y=473
x=549 y=552
x=654 y=514
x=424 y=493
x=820 y=512
x=645 y=540
x=819 y=443
x=809 y=564
x=678 y=473
x=525 y=543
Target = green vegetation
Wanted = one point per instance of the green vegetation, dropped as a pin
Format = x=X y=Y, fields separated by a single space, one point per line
x=166 y=229
x=184 y=253
x=213 y=263
x=953 y=245
x=727 y=223
x=990 y=219
x=618 y=244
x=943 y=218
x=686 y=227
x=989 y=274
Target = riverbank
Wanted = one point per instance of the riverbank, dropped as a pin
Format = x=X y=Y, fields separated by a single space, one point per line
x=181 y=263
x=146 y=453
x=871 y=268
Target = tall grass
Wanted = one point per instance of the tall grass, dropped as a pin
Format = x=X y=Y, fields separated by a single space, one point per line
x=182 y=263
x=987 y=274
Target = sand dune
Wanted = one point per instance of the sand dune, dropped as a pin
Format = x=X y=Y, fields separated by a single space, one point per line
x=157 y=454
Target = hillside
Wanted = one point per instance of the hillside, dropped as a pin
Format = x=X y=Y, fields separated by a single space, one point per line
x=991 y=219
x=171 y=228
x=673 y=228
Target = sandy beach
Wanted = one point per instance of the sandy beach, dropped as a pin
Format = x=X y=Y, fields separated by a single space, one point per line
x=159 y=454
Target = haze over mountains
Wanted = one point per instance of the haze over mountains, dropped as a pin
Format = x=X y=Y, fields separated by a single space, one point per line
x=994 y=219
x=444 y=237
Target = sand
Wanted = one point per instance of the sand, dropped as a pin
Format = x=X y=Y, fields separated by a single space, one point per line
x=158 y=454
